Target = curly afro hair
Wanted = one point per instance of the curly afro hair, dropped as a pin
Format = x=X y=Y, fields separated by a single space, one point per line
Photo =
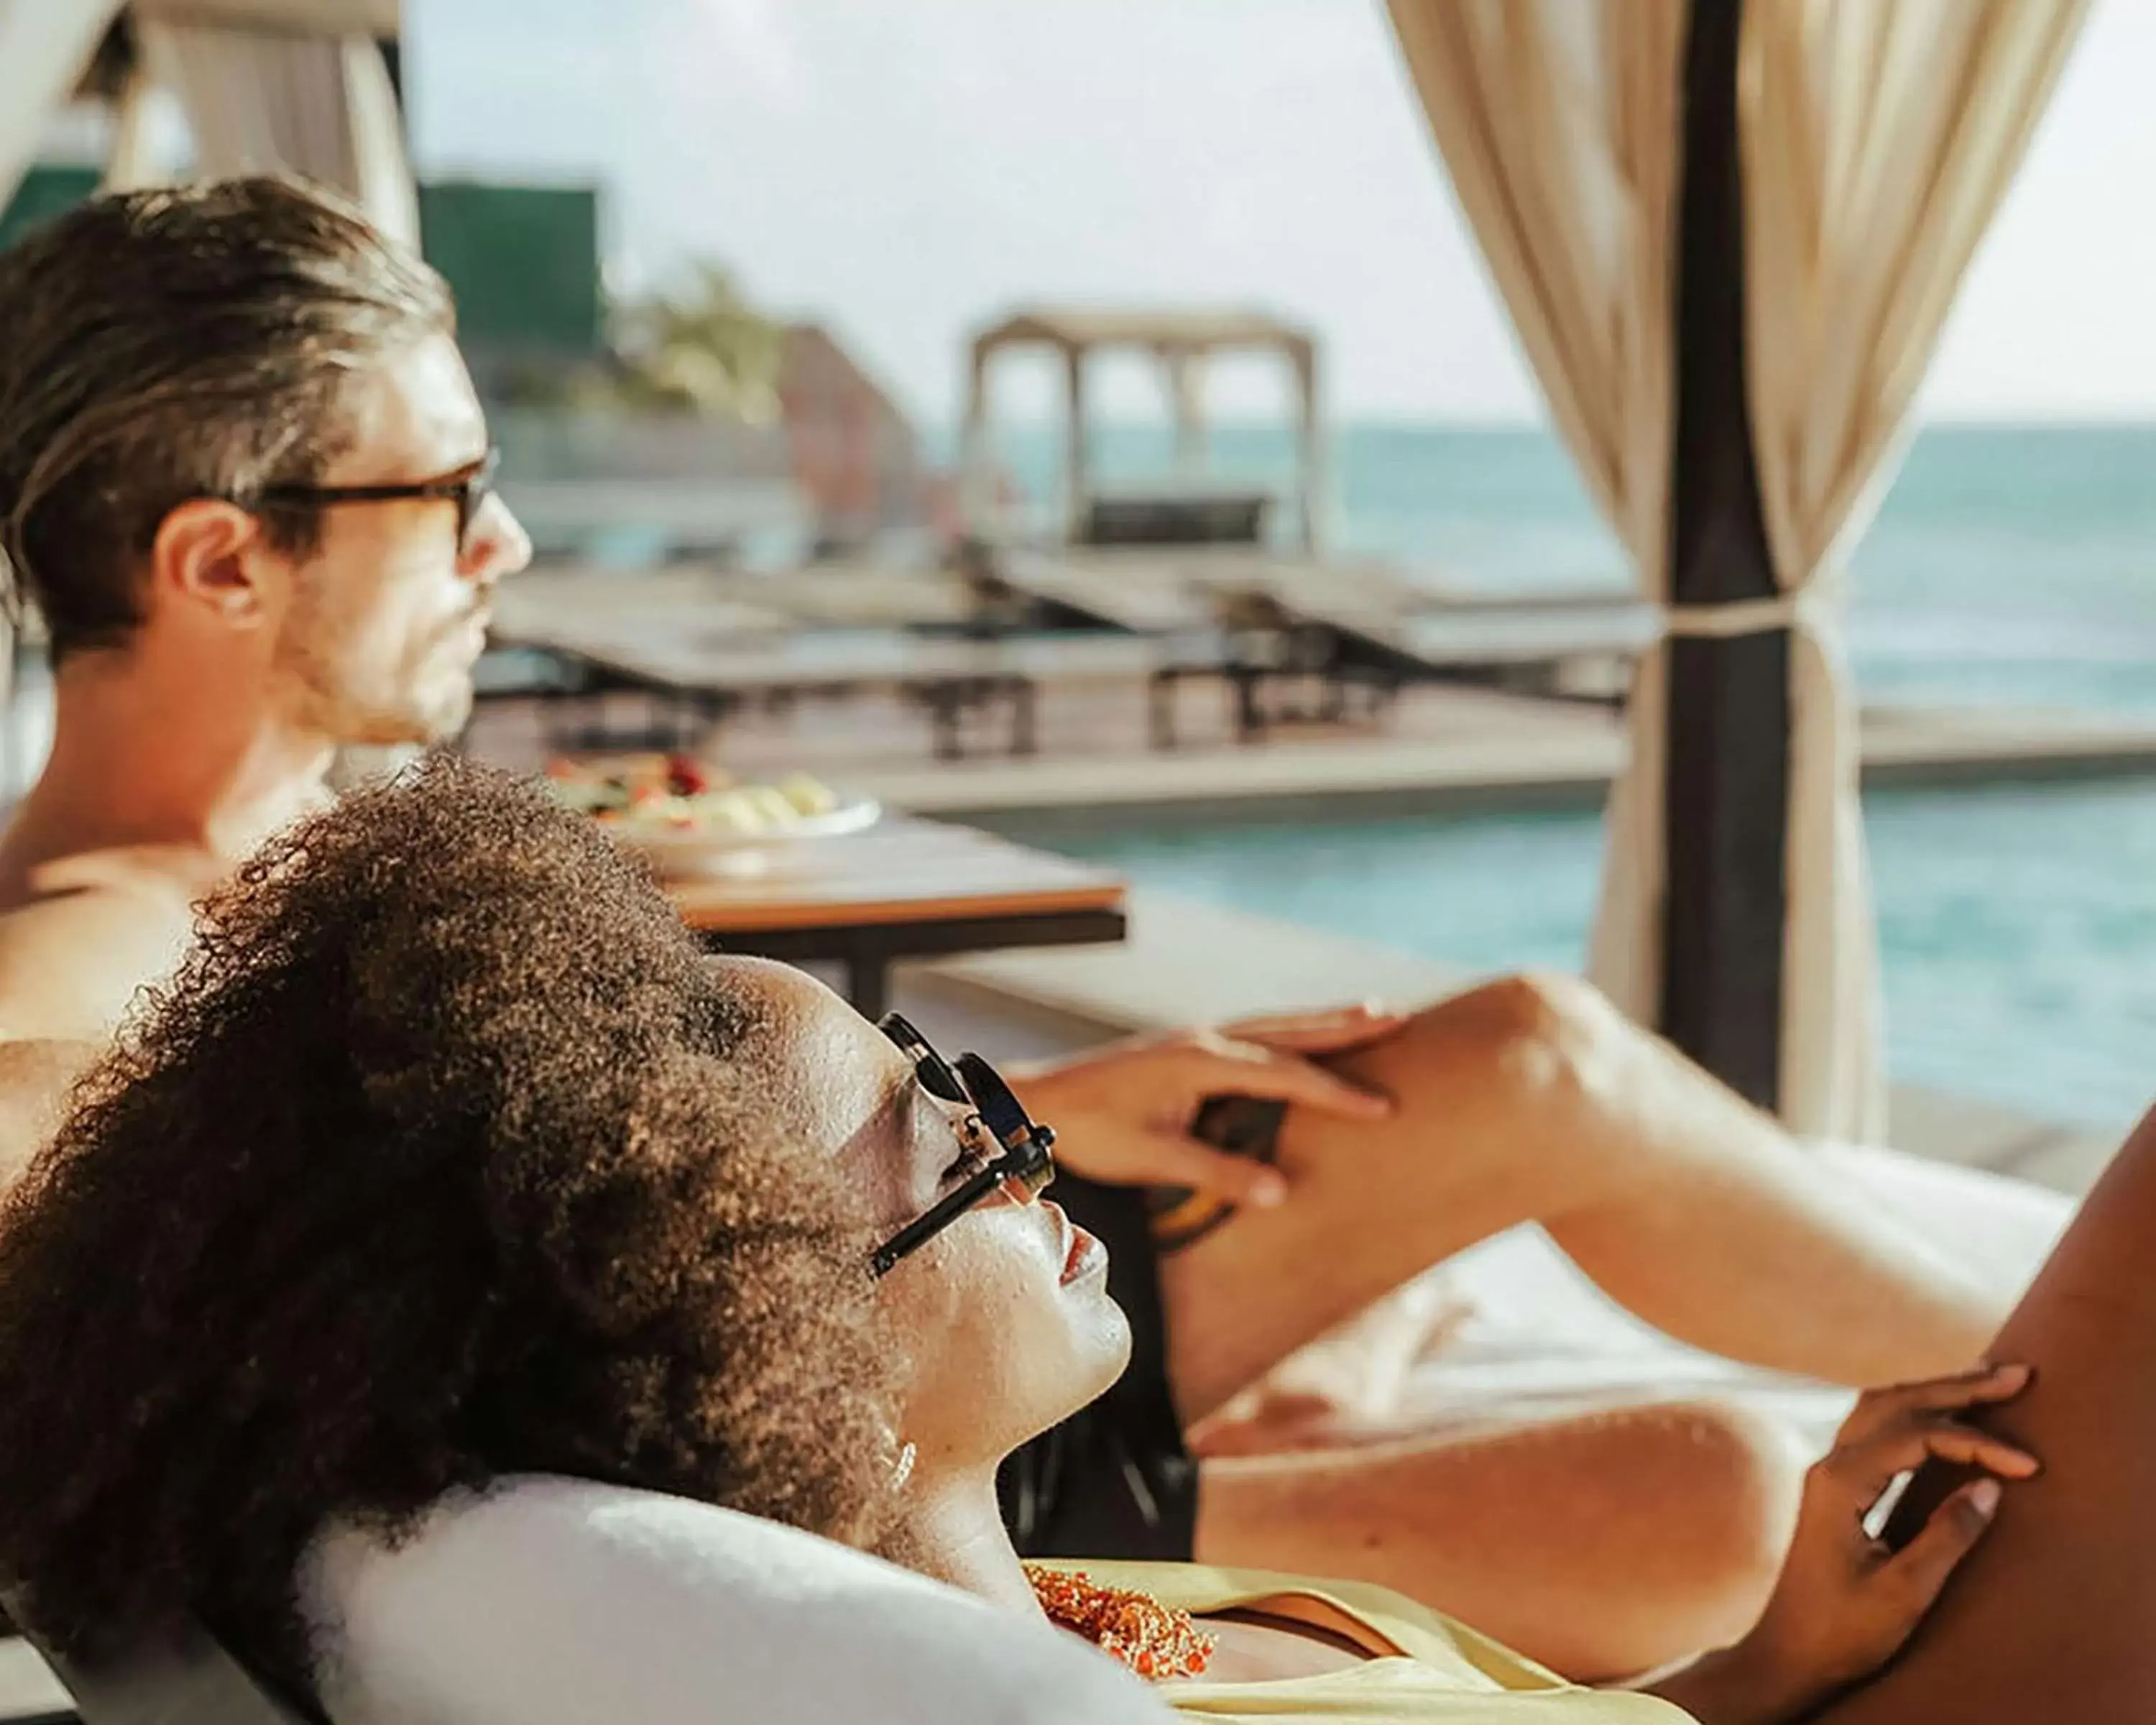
x=440 y=1158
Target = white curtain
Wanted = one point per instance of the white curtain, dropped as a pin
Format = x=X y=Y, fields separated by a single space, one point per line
x=1558 y=121
x=1877 y=141
x=44 y=49
x=262 y=98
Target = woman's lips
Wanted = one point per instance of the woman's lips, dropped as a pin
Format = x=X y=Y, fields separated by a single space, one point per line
x=1083 y=1256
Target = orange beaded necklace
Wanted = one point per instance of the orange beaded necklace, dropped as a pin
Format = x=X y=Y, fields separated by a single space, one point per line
x=1153 y=1639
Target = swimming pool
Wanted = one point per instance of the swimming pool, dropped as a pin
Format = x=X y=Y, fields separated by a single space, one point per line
x=2017 y=924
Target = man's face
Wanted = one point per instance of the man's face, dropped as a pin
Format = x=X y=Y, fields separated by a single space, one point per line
x=384 y=622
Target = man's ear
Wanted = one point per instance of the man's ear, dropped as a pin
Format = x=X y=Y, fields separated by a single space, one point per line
x=202 y=556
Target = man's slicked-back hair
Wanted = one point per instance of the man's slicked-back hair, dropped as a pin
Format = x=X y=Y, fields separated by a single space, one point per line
x=188 y=341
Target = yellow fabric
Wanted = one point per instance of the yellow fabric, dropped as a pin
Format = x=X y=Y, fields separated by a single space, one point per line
x=1444 y=1673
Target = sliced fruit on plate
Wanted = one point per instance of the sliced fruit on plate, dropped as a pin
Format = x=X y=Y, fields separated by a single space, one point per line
x=650 y=797
x=677 y=775
x=806 y=795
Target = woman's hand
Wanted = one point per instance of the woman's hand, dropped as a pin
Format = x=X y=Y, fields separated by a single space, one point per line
x=1122 y=1113
x=1845 y=1605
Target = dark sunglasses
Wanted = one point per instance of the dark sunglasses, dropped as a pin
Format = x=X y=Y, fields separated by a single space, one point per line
x=469 y=489
x=1020 y=1163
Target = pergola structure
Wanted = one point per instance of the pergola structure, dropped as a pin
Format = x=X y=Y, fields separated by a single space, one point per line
x=1181 y=342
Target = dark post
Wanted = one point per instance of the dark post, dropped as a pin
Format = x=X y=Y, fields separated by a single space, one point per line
x=1726 y=788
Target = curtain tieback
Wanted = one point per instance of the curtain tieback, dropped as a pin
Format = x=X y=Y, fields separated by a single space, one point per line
x=1737 y=617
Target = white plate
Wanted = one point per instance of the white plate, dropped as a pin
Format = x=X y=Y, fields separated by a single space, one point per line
x=688 y=850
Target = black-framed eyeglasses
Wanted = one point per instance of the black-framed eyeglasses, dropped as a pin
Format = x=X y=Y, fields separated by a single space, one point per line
x=1014 y=1154
x=468 y=488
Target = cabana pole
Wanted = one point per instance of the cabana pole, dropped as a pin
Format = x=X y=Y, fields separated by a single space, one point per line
x=977 y=510
x=1311 y=452
x=1726 y=789
x=1185 y=371
x=1076 y=434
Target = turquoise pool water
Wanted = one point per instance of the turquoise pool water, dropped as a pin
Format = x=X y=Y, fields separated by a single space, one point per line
x=2009 y=564
x=2018 y=926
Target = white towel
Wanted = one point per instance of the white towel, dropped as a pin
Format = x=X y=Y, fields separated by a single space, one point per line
x=562 y=1602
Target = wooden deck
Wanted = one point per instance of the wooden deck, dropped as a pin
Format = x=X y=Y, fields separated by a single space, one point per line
x=1090 y=714
x=1442 y=749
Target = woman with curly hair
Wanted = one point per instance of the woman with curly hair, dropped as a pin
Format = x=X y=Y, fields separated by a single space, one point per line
x=445 y=1155
x=447 y=1159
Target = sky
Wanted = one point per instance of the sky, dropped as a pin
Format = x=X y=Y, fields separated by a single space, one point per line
x=904 y=169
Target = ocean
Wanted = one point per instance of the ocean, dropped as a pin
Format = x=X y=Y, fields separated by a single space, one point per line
x=2006 y=566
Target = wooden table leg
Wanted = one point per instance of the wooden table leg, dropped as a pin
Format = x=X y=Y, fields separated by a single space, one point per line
x=1025 y=717
x=1161 y=707
x=944 y=704
x=1248 y=684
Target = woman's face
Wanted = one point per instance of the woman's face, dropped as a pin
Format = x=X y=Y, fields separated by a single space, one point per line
x=1005 y=1313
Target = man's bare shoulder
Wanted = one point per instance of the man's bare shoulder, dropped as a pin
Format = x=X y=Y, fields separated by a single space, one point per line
x=72 y=961
x=36 y=1079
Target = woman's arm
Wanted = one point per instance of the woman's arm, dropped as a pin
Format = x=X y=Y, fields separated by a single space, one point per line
x=1845 y=1603
x=1122 y=1112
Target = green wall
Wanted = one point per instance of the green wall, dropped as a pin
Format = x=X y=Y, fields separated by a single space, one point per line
x=44 y=192
x=522 y=259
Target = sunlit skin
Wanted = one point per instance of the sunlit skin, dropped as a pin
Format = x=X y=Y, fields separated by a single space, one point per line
x=177 y=753
x=1007 y=1328
x=1004 y=1316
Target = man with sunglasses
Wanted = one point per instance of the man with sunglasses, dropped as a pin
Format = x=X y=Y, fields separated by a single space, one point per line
x=246 y=484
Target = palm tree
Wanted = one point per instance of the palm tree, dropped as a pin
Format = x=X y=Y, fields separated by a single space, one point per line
x=702 y=349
